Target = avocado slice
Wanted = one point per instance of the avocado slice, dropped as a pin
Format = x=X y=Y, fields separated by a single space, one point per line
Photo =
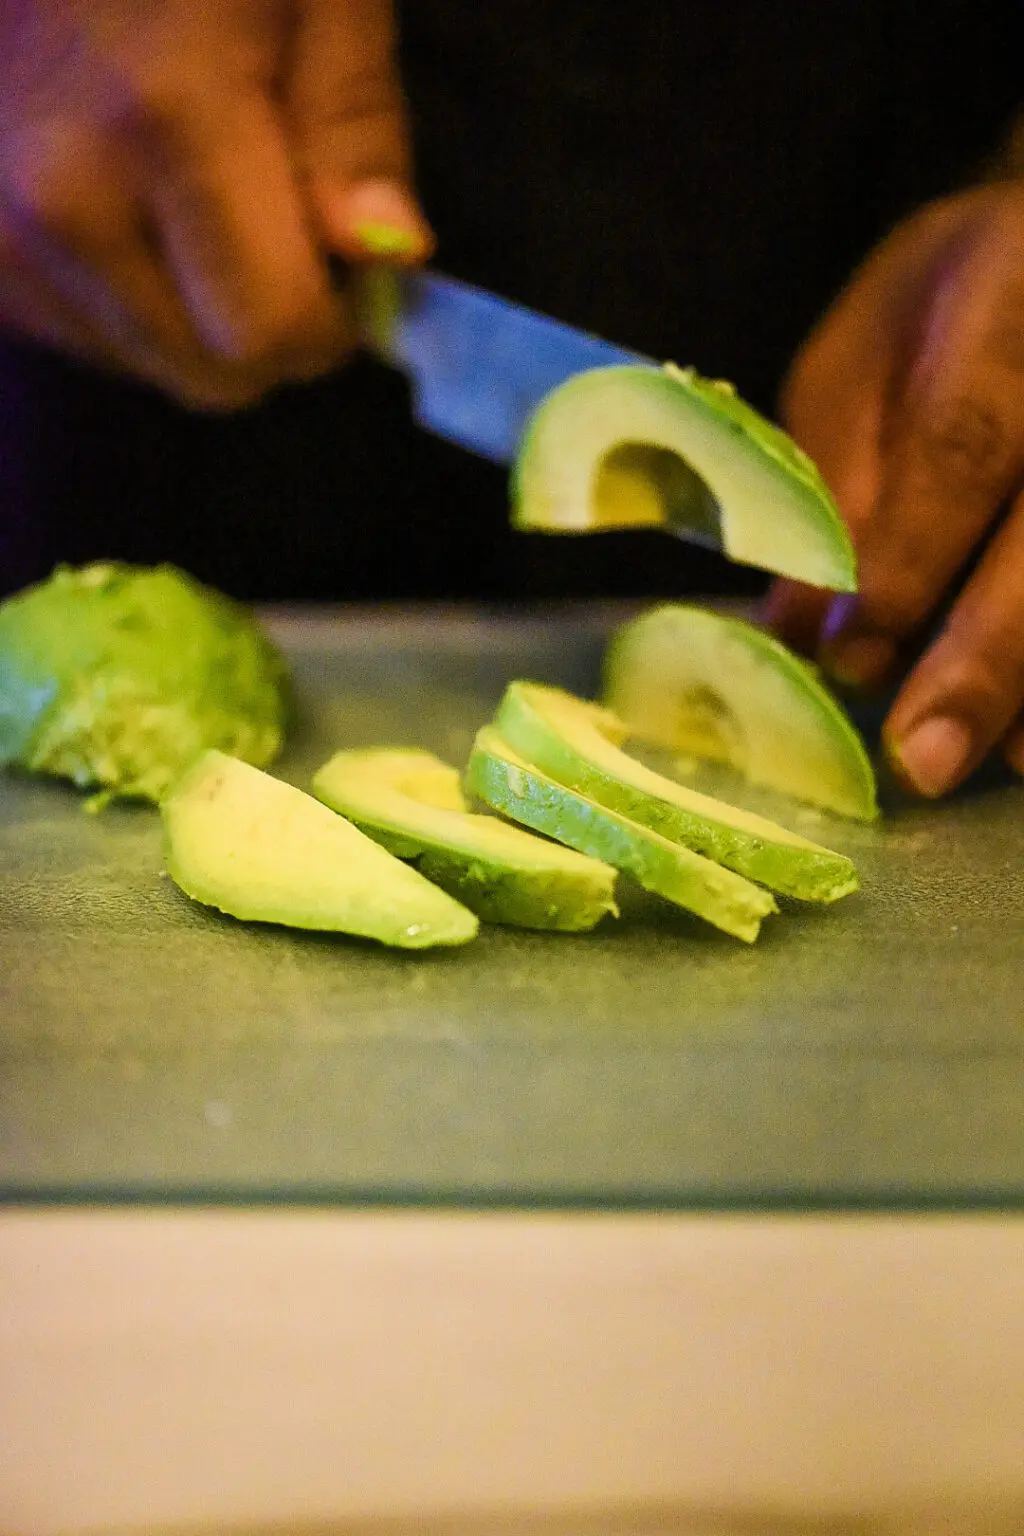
x=635 y=446
x=718 y=688
x=261 y=850
x=412 y=803
x=576 y=743
x=117 y=676
x=521 y=791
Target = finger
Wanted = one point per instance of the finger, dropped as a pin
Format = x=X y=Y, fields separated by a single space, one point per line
x=30 y=309
x=967 y=690
x=349 y=115
x=234 y=229
x=66 y=217
x=81 y=277
x=837 y=395
x=956 y=450
x=795 y=612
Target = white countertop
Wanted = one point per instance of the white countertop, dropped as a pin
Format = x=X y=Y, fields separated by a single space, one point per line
x=227 y=1369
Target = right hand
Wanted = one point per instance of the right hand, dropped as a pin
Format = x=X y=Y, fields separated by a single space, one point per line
x=171 y=176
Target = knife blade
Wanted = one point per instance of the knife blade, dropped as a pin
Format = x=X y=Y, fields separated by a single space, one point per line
x=478 y=365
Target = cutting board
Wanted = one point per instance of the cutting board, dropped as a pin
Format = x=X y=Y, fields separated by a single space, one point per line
x=871 y=1054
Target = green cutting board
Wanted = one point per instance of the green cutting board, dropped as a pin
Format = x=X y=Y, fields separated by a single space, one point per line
x=870 y=1054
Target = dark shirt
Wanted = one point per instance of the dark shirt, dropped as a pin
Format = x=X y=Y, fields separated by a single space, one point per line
x=694 y=179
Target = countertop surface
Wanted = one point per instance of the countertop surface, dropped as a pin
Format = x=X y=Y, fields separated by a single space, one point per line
x=870 y=1054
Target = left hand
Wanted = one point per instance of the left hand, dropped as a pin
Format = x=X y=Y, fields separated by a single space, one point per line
x=173 y=174
x=910 y=397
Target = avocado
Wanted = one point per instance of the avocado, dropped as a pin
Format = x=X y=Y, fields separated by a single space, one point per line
x=641 y=446
x=521 y=791
x=412 y=803
x=721 y=689
x=117 y=676
x=261 y=850
x=576 y=744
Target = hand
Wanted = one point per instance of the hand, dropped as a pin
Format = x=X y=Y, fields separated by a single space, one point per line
x=910 y=397
x=171 y=175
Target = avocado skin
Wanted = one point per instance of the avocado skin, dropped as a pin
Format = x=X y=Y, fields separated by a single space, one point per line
x=118 y=676
x=797 y=868
x=519 y=898
x=520 y=791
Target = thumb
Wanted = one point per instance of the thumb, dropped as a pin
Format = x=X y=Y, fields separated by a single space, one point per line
x=349 y=115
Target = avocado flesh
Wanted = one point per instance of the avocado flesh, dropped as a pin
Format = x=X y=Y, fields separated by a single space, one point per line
x=518 y=789
x=118 y=676
x=721 y=689
x=599 y=450
x=412 y=804
x=261 y=850
x=575 y=742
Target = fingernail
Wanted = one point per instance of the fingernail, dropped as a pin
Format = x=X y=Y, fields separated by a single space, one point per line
x=841 y=615
x=379 y=218
x=933 y=756
x=386 y=239
x=859 y=661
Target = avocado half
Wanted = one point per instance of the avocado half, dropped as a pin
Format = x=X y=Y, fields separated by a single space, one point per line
x=637 y=446
x=715 y=687
x=118 y=676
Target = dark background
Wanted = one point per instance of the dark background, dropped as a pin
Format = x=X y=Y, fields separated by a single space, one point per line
x=692 y=178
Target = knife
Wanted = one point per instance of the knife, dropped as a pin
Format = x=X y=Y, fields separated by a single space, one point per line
x=478 y=365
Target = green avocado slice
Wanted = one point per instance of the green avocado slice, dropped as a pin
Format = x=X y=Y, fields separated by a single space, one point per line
x=576 y=743
x=718 y=688
x=261 y=850
x=521 y=791
x=635 y=446
x=118 y=676
x=412 y=803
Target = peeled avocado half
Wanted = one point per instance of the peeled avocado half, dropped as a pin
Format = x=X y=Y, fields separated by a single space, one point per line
x=635 y=446
x=261 y=850
x=412 y=803
x=519 y=790
x=118 y=676
x=576 y=744
x=720 y=689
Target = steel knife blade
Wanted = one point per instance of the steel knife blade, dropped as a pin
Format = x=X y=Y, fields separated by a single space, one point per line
x=478 y=364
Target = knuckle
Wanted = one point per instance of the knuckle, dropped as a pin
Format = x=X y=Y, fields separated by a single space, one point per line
x=966 y=442
x=898 y=586
x=161 y=119
x=898 y=605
